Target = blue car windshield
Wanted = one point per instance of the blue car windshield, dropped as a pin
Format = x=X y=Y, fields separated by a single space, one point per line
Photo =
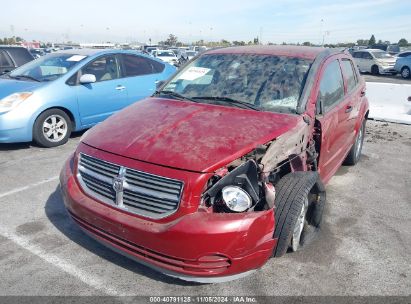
x=47 y=68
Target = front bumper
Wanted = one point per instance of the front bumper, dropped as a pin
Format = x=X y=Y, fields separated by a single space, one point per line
x=14 y=127
x=387 y=69
x=199 y=246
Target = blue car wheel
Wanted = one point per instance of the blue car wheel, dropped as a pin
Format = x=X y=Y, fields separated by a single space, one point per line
x=52 y=128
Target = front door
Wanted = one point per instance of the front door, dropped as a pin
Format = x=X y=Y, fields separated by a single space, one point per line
x=334 y=119
x=108 y=94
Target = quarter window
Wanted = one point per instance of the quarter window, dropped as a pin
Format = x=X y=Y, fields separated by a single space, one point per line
x=5 y=60
x=349 y=73
x=138 y=65
x=104 y=68
x=331 y=86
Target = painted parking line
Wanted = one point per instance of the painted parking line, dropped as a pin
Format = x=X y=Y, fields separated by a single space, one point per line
x=83 y=276
x=51 y=179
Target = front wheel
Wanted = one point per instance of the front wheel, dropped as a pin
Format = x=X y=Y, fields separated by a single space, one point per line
x=299 y=203
x=405 y=72
x=375 y=70
x=52 y=128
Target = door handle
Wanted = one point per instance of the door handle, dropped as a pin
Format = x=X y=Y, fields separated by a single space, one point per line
x=362 y=94
x=120 y=88
x=348 y=109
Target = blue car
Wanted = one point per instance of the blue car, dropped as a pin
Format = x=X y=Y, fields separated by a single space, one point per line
x=46 y=99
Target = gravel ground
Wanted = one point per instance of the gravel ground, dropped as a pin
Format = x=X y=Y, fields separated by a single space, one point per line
x=363 y=247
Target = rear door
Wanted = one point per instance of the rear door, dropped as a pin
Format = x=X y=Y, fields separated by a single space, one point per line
x=140 y=75
x=354 y=92
x=333 y=118
x=107 y=95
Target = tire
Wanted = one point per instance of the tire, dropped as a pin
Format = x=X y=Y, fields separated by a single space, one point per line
x=355 y=152
x=375 y=70
x=52 y=128
x=294 y=193
x=405 y=72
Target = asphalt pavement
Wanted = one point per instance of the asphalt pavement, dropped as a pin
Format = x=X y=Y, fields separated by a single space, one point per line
x=363 y=247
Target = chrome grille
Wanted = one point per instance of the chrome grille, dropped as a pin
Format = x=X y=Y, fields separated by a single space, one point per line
x=135 y=191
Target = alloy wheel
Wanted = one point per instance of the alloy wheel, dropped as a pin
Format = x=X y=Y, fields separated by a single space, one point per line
x=54 y=128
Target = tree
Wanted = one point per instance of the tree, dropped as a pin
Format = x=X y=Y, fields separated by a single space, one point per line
x=403 y=42
x=306 y=43
x=171 y=40
x=372 y=40
x=362 y=42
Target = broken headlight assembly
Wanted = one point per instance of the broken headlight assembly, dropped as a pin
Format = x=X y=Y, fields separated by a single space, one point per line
x=238 y=190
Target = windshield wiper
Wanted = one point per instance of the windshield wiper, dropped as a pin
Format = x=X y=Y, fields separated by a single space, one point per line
x=24 y=76
x=174 y=94
x=229 y=100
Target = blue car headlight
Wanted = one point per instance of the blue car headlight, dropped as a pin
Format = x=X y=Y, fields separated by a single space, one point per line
x=10 y=102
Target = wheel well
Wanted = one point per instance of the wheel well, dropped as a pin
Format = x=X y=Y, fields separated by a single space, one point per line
x=404 y=67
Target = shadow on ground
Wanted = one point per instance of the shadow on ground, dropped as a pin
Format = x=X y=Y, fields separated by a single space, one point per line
x=59 y=217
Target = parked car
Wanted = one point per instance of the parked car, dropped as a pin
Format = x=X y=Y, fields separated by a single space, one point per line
x=12 y=57
x=46 y=99
x=403 y=66
x=37 y=53
x=375 y=61
x=166 y=56
x=225 y=165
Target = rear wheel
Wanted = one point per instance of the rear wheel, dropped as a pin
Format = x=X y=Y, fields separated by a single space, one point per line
x=405 y=72
x=355 y=152
x=375 y=70
x=299 y=203
x=52 y=128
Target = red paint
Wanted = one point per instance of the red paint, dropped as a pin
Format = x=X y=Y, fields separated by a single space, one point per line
x=189 y=141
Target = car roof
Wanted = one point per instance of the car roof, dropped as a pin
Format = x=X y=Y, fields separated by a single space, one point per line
x=374 y=50
x=306 y=52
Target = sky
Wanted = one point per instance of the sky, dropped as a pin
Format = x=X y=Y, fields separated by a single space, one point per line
x=274 y=21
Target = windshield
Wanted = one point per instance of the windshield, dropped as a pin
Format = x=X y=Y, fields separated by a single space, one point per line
x=47 y=68
x=381 y=55
x=165 y=54
x=269 y=83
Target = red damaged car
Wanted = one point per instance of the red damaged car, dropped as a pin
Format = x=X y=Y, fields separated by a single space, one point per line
x=225 y=165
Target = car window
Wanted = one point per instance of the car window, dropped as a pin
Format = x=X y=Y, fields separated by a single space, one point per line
x=268 y=82
x=331 y=86
x=406 y=54
x=5 y=60
x=20 y=55
x=357 y=54
x=366 y=55
x=104 y=68
x=138 y=65
x=349 y=73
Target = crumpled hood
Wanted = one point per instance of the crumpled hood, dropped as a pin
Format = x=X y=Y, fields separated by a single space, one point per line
x=187 y=135
x=10 y=86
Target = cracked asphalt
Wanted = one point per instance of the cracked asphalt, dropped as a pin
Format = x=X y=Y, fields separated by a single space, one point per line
x=363 y=247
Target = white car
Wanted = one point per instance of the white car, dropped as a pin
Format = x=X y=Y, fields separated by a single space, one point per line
x=374 y=61
x=165 y=55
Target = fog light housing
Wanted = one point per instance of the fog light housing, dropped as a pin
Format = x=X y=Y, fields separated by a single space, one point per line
x=236 y=198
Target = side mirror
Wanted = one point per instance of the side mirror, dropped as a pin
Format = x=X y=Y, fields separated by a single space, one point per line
x=159 y=84
x=87 y=78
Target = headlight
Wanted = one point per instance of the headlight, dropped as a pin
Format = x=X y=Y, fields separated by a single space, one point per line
x=236 y=198
x=10 y=102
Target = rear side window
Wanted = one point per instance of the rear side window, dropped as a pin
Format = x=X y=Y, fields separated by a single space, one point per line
x=331 y=86
x=349 y=73
x=138 y=65
x=5 y=60
x=357 y=54
x=20 y=55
